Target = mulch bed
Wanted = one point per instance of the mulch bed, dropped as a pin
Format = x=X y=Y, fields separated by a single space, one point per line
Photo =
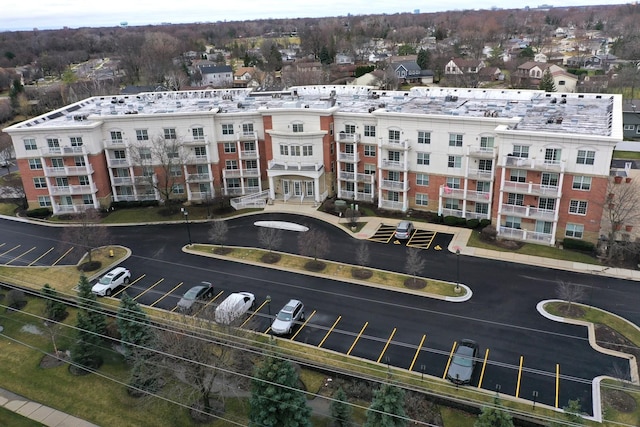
x=222 y=251
x=415 y=283
x=50 y=361
x=315 y=265
x=270 y=258
x=361 y=273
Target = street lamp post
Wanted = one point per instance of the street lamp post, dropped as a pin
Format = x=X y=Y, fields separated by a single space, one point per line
x=269 y=311
x=186 y=220
x=457 y=270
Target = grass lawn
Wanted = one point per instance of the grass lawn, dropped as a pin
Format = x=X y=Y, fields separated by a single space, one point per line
x=535 y=250
x=11 y=419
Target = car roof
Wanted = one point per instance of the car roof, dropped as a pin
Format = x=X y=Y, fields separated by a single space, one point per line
x=291 y=304
x=404 y=224
x=116 y=271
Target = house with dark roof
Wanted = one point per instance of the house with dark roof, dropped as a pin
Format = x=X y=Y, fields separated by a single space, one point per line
x=217 y=76
x=464 y=66
x=631 y=120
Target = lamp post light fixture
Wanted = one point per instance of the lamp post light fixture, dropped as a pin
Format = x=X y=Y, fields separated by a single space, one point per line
x=269 y=311
x=186 y=221
x=457 y=288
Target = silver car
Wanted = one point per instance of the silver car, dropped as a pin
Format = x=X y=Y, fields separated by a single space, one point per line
x=404 y=230
x=286 y=318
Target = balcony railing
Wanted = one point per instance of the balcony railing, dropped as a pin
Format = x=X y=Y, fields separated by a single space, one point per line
x=248 y=154
x=528 y=212
x=198 y=177
x=195 y=140
x=122 y=180
x=394 y=165
x=349 y=157
x=74 y=208
x=113 y=162
x=197 y=160
x=346 y=176
x=348 y=137
x=248 y=136
x=395 y=144
x=531 y=188
x=123 y=142
x=452 y=212
x=301 y=166
x=481 y=174
x=525 y=235
x=61 y=151
x=390 y=204
x=482 y=152
x=367 y=178
x=386 y=184
x=68 y=171
x=476 y=215
x=534 y=164
x=61 y=190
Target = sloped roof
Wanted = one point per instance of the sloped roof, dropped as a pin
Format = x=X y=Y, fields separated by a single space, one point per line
x=218 y=69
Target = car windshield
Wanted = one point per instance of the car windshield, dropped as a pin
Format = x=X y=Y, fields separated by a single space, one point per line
x=463 y=357
x=105 y=280
x=192 y=293
x=284 y=316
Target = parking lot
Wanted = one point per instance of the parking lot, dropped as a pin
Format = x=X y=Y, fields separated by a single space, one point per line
x=30 y=256
x=421 y=238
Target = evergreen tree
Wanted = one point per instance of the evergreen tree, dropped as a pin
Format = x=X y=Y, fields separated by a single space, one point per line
x=546 y=83
x=54 y=309
x=133 y=325
x=325 y=56
x=340 y=409
x=387 y=408
x=275 y=400
x=91 y=324
x=493 y=416
x=423 y=59
x=145 y=377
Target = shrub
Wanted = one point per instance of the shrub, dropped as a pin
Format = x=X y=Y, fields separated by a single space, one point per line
x=484 y=222
x=134 y=204
x=15 y=299
x=473 y=223
x=488 y=233
x=578 y=245
x=40 y=213
x=450 y=220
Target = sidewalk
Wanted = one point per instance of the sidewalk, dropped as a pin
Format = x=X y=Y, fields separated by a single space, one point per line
x=43 y=414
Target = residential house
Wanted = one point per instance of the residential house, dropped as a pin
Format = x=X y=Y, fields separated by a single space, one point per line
x=407 y=71
x=344 y=59
x=217 y=76
x=464 y=66
x=631 y=119
x=243 y=77
x=529 y=74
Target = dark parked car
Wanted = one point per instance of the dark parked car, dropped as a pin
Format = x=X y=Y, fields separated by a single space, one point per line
x=197 y=293
x=463 y=362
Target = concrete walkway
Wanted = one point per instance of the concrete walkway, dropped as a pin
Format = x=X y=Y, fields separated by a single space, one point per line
x=54 y=418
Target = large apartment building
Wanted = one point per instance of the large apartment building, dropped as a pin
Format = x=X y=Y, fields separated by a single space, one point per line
x=536 y=164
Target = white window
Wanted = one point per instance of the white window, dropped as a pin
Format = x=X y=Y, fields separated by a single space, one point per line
x=515 y=199
x=423 y=158
x=369 y=169
x=422 y=199
x=453 y=182
x=247 y=128
x=521 y=151
x=44 y=201
x=175 y=170
x=35 y=164
x=518 y=175
x=227 y=129
x=486 y=142
x=170 y=133
x=233 y=183
x=295 y=150
x=284 y=150
x=586 y=157
x=79 y=161
x=452 y=204
x=581 y=183
x=297 y=127
x=455 y=140
x=87 y=199
x=574 y=230
x=369 y=130
x=142 y=135
x=200 y=152
x=198 y=134
x=629 y=127
x=83 y=179
x=178 y=189
x=512 y=222
x=231 y=164
x=76 y=141
x=40 y=182
x=145 y=153
x=552 y=155
x=482 y=208
x=422 y=179
x=53 y=143
x=394 y=135
x=424 y=137
x=229 y=147
x=394 y=156
x=116 y=136
x=307 y=150
x=578 y=207
x=350 y=129
x=30 y=144
x=454 y=162
x=369 y=150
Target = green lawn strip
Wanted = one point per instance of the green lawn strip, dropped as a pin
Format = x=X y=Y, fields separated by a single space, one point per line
x=534 y=250
x=11 y=419
x=629 y=331
x=621 y=418
x=332 y=270
x=455 y=418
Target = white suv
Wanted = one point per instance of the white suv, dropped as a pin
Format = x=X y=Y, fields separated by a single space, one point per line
x=110 y=281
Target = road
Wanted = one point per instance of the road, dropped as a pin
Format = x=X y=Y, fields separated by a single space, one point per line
x=377 y=324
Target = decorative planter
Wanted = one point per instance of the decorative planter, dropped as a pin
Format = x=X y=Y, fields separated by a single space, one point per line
x=627 y=179
x=617 y=179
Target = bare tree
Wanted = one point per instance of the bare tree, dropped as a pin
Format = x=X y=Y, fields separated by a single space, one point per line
x=218 y=232
x=314 y=244
x=414 y=264
x=87 y=233
x=165 y=156
x=570 y=292
x=620 y=208
x=362 y=254
x=270 y=238
x=352 y=215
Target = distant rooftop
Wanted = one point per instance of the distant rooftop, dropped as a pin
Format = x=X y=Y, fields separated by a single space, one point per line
x=533 y=110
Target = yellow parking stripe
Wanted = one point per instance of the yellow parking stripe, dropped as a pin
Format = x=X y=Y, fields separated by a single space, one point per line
x=387 y=344
x=557 y=382
x=127 y=286
x=40 y=257
x=148 y=289
x=484 y=365
x=63 y=255
x=254 y=313
x=519 y=377
x=357 y=338
x=204 y=306
x=328 y=332
x=303 y=325
x=22 y=254
x=168 y=293
x=415 y=357
x=446 y=369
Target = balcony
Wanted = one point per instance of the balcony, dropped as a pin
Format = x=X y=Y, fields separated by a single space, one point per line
x=198 y=177
x=525 y=235
x=122 y=180
x=482 y=152
x=394 y=165
x=476 y=215
x=248 y=136
x=112 y=162
x=116 y=143
x=386 y=184
x=346 y=176
x=392 y=205
x=248 y=154
x=481 y=174
x=66 y=190
x=452 y=212
x=145 y=179
x=68 y=171
x=395 y=144
x=528 y=212
x=197 y=141
x=357 y=196
x=61 y=151
x=366 y=178
x=74 y=208
x=531 y=189
x=348 y=157
x=279 y=165
x=533 y=164
x=231 y=173
x=348 y=137
x=197 y=160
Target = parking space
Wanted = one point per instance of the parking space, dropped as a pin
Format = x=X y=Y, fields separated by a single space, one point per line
x=18 y=255
x=421 y=238
x=383 y=234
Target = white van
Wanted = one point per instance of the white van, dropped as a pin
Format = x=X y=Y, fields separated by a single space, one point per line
x=234 y=306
